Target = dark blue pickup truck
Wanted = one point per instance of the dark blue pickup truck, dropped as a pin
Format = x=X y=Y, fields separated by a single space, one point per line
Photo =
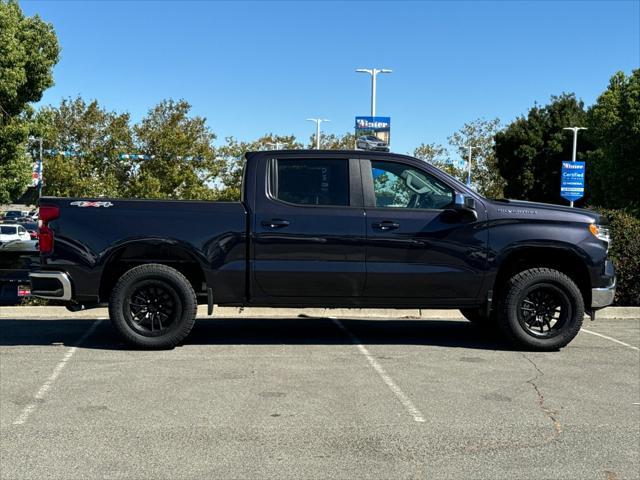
x=329 y=229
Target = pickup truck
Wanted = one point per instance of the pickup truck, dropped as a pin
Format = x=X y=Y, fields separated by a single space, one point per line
x=329 y=229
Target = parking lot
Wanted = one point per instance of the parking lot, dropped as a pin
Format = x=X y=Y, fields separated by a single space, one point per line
x=317 y=397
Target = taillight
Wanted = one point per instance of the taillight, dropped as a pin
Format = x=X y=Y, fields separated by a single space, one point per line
x=46 y=214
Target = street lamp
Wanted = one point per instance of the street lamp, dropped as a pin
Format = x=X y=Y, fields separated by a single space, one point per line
x=575 y=131
x=318 y=122
x=276 y=145
x=470 y=147
x=374 y=73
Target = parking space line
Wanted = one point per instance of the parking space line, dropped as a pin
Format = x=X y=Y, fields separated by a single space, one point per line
x=46 y=386
x=393 y=386
x=610 y=338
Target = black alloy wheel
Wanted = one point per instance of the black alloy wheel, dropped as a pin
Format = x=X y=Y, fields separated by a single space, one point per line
x=154 y=307
x=544 y=310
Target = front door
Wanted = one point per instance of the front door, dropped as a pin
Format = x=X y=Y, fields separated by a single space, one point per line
x=417 y=247
x=309 y=229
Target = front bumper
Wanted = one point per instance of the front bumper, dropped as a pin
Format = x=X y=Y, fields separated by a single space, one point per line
x=602 y=297
x=51 y=285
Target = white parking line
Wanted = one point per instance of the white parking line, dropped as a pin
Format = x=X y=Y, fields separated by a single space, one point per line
x=610 y=338
x=393 y=386
x=46 y=386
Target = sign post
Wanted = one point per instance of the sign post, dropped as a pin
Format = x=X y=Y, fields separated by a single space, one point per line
x=572 y=181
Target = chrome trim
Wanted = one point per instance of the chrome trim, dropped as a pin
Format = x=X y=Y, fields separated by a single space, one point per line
x=64 y=280
x=602 y=297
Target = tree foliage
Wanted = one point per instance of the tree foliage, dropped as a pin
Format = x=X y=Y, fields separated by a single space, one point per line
x=331 y=141
x=485 y=175
x=180 y=157
x=28 y=51
x=83 y=142
x=439 y=157
x=613 y=166
x=530 y=150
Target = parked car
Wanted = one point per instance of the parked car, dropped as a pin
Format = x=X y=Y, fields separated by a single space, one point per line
x=32 y=229
x=11 y=232
x=15 y=214
x=329 y=229
x=17 y=259
x=370 y=142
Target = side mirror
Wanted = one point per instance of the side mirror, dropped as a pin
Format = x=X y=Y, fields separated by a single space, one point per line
x=460 y=202
x=463 y=208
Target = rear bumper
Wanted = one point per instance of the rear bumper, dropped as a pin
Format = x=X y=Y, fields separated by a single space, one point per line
x=602 y=297
x=51 y=285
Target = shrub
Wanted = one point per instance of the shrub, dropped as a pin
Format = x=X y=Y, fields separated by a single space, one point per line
x=625 y=253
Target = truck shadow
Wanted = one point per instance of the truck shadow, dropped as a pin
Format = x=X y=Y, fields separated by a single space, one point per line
x=264 y=331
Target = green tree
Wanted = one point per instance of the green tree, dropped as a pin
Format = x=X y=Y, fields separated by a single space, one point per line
x=331 y=141
x=438 y=156
x=83 y=143
x=613 y=167
x=180 y=159
x=529 y=151
x=232 y=154
x=485 y=175
x=28 y=51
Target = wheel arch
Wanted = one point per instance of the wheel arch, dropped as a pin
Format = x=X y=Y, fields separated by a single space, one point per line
x=130 y=254
x=563 y=258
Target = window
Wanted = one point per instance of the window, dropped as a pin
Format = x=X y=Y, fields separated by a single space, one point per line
x=21 y=230
x=8 y=230
x=400 y=186
x=312 y=182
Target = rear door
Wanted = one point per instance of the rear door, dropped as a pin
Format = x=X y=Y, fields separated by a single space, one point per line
x=309 y=228
x=417 y=248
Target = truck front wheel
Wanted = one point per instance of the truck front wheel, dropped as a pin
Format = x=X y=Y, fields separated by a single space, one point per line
x=153 y=306
x=542 y=309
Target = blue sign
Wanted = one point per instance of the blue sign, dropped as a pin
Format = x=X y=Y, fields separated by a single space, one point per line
x=373 y=133
x=375 y=124
x=572 y=181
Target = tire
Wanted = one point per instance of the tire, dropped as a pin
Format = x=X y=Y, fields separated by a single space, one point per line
x=476 y=315
x=145 y=297
x=542 y=309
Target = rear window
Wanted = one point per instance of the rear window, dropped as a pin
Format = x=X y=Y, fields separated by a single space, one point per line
x=7 y=230
x=312 y=181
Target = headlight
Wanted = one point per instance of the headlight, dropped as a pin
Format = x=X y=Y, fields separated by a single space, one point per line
x=601 y=233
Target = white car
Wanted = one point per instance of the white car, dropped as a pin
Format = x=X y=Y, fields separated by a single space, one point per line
x=11 y=232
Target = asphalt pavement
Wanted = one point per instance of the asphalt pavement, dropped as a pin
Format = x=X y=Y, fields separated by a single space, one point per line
x=317 y=397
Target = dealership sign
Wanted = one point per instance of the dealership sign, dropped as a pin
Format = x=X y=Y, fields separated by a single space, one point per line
x=572 y=181
x=373 y=133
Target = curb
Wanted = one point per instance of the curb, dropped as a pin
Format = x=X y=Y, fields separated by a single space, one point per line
x=628 y=313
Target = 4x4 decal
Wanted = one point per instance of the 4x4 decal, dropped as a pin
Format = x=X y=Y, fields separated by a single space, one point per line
x=84 y=203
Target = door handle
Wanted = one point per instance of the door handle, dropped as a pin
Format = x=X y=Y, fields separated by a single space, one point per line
x=386 y=225
x=275 y=223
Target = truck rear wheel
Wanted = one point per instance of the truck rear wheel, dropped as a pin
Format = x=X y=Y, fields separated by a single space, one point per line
x=153 y=306
x=542 y=309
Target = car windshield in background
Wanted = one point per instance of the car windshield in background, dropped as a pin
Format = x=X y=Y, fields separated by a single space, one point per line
x=5 y=230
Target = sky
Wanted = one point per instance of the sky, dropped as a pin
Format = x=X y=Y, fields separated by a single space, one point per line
x=263 y=67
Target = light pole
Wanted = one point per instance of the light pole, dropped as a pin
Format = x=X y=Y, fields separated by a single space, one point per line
x=470 y=147
x=374 y=73
x=276 y=145
x=318 y=122
x=575 y=131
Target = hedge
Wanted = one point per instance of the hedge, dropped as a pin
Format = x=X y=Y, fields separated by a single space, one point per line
x=625 y=253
